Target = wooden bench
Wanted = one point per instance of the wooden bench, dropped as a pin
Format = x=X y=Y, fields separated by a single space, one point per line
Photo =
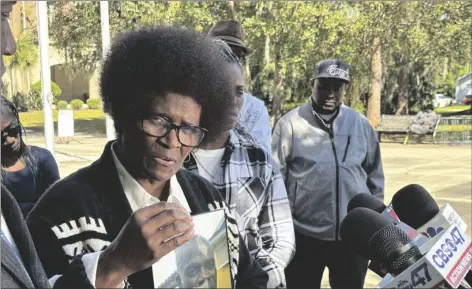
x=395 y=124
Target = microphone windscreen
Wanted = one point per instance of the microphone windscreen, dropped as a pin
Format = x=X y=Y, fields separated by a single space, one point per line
x=358 y=227
x=388 y=245
x=414 y=205
x=366 y=201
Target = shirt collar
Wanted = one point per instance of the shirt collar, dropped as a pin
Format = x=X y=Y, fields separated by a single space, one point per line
x=138 y=197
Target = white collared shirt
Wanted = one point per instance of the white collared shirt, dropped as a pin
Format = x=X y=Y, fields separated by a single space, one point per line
x=137 y=196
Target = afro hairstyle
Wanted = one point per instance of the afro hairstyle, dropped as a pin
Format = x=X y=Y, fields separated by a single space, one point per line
x=151 y=62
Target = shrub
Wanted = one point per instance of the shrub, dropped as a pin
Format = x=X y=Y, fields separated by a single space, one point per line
x=35 y=98
x=94 y=103
x=360 y=107
x=61 y=104
x=76 y=104
x=21 y=102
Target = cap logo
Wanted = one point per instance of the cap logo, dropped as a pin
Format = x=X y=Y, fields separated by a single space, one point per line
x=335 y=71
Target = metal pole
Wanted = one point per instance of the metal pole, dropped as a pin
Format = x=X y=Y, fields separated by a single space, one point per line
x=43 y=37
x=105 y=25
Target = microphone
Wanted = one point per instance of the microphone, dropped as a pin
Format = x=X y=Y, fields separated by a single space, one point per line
x=377 y=237
x=416 y=207
x=370 y=202
x=364 y=200
x=370 y=233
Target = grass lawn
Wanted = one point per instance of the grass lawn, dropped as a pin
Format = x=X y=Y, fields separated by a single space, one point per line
x=452 y=108
x=89 y=121
x=92 y=121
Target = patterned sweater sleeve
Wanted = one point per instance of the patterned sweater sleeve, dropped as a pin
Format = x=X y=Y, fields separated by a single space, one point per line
x=59 y=225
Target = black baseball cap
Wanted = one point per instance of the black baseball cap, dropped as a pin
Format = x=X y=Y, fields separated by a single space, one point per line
x=332 y=68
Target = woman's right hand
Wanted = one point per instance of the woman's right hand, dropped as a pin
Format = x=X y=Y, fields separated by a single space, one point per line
x=150 y=234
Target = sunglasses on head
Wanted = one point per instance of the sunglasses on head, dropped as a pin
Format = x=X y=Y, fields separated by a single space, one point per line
x=12 y=131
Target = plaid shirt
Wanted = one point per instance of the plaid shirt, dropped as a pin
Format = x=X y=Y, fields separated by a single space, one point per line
x=252 y=185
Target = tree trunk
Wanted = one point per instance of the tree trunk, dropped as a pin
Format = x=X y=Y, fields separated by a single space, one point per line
x=232 y=9
x=277 y=90
x=23 y=16
x=374 y=98
x=12 y=93
x=445 y=68
x=27 y=81
x=267 y=50
x=247 y=78
x=402 y=100
x=354 y=92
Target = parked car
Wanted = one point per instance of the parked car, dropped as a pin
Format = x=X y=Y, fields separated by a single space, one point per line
x=440 y=100
x=467 y=99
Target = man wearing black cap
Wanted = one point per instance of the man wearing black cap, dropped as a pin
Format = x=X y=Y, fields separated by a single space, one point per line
x=327 y=153
x=254 y=116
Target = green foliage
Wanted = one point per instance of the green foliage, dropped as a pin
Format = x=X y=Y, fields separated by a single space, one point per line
x=21 y=102
x=61 y=105
x=94 y=103
x=360 y=107
x=35 y=101
x=26 y=55
x=76 y=104
x=429 y=41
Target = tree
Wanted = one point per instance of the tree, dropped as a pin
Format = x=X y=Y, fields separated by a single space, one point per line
x=400 y=52
x=25 y=58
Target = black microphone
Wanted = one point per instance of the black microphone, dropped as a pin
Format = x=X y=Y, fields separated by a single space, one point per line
x=373 y=236
x=366 y=201
x=414 y=205
x=417 y=208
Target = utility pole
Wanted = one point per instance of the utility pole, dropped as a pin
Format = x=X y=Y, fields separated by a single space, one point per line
x=43 y=37
x=105 y=27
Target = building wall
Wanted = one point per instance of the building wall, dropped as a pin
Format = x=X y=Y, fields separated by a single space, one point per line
x=71 y=88
x=463 y=87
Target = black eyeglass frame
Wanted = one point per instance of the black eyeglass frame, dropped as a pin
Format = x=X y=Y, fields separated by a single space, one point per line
x=170 y=127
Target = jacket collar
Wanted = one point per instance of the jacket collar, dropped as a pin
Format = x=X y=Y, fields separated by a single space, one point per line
x=19 y=231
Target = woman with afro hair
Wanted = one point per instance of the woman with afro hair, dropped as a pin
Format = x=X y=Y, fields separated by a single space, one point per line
x=167 y=91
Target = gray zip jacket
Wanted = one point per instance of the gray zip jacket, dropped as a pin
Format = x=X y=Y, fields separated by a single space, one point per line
x=323 y=168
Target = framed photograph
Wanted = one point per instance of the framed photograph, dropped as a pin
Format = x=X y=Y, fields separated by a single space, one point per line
x=202 y=262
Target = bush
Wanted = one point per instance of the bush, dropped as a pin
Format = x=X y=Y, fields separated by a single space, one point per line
x=94 y=103
x=76 y=104
x=61 y=104
x=359 y=107
x=21 y=102
x=35 y=98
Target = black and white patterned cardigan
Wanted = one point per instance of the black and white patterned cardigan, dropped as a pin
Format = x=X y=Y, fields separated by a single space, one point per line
x=84 y=212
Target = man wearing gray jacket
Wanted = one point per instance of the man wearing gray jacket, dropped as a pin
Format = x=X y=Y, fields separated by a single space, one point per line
x=327 y=153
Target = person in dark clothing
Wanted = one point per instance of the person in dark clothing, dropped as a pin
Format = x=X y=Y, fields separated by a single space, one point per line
x=21 y=267
x=27 y=171
x=133 y=206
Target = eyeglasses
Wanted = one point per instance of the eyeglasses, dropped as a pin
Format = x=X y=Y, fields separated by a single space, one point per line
x=12 y=131
x=159 y=126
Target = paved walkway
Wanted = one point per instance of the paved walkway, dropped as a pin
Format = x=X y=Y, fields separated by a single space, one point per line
x=445 y=171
